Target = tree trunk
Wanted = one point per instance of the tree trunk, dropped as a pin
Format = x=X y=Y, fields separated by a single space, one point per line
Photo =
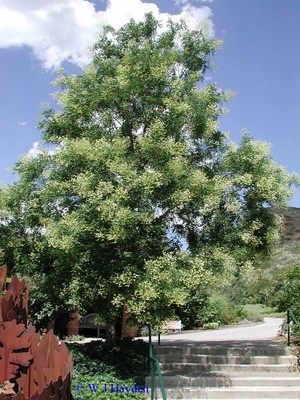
x=110 y=335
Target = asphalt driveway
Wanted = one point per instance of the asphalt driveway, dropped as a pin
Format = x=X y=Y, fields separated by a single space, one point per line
x=267 y=330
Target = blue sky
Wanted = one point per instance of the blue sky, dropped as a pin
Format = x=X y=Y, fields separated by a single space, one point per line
x=259 y=60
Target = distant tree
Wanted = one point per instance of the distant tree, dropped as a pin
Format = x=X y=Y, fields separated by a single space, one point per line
x=143 y=199
x=286 y=293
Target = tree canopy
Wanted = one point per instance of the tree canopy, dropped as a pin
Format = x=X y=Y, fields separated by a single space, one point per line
x=143 y=198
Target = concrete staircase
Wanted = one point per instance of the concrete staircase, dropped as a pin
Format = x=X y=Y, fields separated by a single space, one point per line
x=228 y=370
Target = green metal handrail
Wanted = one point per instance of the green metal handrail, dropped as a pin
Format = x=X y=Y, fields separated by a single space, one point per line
x=155 y=364
x=291 y=318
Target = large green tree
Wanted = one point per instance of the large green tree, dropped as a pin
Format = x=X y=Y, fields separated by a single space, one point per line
x=143 y=197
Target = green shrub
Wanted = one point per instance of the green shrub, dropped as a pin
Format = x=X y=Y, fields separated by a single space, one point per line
x=211 y=325
x=287 y=290
x=191 y=314
x=241 y=313
x=217 y=308
x=144 y=331
x=96 y=364
x=127 y=360
x=254 y=312
x=74 y=338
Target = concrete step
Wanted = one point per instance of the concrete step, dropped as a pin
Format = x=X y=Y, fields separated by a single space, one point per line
x=226 y=359
x=232 y=393
x=248 y=351
x=232 y=370
x=186 y=368
x=181 y=381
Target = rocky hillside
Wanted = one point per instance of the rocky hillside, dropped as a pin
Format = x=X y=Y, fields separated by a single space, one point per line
x=291 y=224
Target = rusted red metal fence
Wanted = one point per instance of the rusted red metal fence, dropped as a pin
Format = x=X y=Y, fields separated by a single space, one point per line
x=31 y=367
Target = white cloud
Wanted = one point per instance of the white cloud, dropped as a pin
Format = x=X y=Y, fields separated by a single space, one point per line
x=180 y=2
x=22 y=123
x=34 y=151
x=58 y=30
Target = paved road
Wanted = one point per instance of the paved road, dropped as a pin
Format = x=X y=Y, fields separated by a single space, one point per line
x=267 y=330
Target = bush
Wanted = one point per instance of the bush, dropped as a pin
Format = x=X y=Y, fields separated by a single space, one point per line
x=74 y=338
x=144 y=331
x=253 y=312
x=287 y=291
x=128 y=360
x=211 y=325
x=217 y=308
x=97 y=364
x=191 y=313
